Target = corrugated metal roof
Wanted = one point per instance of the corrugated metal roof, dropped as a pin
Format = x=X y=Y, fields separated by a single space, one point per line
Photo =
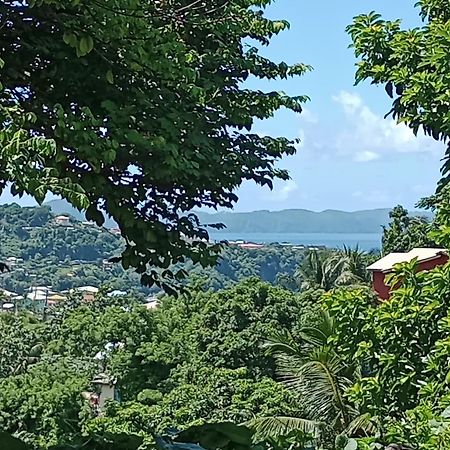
x=422 y=254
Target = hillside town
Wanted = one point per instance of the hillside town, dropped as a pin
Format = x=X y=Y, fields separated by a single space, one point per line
x=38 y=298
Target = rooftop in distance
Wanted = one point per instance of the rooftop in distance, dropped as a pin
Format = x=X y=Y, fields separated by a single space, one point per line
x=387 y=263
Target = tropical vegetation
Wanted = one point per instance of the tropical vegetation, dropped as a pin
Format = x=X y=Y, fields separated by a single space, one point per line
x=44 y=253
x=311 y=359
x=80 y=75
x=405 y=232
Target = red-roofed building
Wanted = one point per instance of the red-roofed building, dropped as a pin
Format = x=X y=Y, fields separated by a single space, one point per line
x=427 y=259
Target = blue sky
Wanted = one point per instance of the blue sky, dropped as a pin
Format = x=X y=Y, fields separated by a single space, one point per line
x=350 y=157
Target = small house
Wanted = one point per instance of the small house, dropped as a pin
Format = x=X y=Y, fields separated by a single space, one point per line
x=427 y=259
x=88 y=292
x=62 y=220
x=151 y=302
x=251 y=246
x=105 y=390
x=106 y=387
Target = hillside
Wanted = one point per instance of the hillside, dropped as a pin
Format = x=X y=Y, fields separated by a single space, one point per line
x=39 y=251
x=31 y=233
x=302 y=221
x=286 y=221
x=62 y=207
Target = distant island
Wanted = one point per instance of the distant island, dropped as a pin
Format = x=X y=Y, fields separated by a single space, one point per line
x=286 y=221
x=303 y=221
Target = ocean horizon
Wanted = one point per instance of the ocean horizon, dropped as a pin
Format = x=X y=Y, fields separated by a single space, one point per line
x=364 y=241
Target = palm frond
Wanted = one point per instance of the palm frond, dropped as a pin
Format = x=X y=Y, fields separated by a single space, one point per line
x=281 y=342
x=266 y=427
x=348 y=277
x=364 y=423
x=317 y=380
x=318 y=334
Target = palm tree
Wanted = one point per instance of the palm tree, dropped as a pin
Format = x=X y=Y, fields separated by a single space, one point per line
x=316 y=272
x=312 y=369
x=352 y=265
x=327 y=270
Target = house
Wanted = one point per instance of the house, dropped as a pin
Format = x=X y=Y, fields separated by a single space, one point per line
x=250 y=246
x=36 y=299
x=151 y=302
x=7 y=293
x=117 y=293
x=87 y=223
x=62 y=220
x=105 y=390
x=54 y=299
x=427 y=259
x=8 y=307
x=107 y=264
x=88 y=292
x=12 y=261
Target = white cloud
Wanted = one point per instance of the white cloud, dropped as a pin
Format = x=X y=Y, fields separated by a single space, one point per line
x=282 y=191
x=367 y=136
x=309 y=117
x=366 y=156
x=350 y=102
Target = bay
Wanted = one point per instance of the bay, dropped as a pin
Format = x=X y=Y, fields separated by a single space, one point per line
x=365 y=241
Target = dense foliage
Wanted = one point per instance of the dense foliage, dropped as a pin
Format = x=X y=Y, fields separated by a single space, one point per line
x=402 y=346
x=197 y=358
x=137 y=108
x=406 y=232
x=273 y=263
x=76 y=255
x=322 y=366
x=328 y=269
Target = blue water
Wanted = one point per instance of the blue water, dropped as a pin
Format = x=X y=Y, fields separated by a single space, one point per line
x=365 y=241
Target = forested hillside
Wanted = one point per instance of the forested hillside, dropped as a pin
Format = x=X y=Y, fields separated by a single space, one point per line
x=39 y=250
x=32 y=233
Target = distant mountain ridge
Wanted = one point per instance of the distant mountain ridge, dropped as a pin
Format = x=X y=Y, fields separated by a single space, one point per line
x=303 y=221
x=285 y=221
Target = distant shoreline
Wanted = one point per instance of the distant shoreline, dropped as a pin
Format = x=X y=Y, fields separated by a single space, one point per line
x=364 y=241
x=287 y=233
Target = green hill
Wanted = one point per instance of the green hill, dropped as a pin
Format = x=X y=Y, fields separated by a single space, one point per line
x=39 y=251
x=286 y=221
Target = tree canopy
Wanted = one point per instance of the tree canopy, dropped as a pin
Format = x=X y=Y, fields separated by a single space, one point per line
x=195 y=359
x=137 y=109
x=405 y=232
